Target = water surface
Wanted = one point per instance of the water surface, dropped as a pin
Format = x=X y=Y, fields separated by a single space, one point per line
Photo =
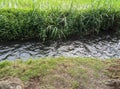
x=104 y=47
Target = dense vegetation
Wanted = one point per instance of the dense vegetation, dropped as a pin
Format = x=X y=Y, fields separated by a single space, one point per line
x=50 y=19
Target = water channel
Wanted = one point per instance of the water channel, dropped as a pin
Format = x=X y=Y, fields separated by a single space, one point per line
x=102 y=47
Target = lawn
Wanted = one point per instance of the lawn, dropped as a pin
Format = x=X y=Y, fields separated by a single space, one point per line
x=61 y=72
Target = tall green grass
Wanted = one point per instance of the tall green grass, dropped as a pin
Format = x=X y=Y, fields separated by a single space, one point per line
x=56 y=19
x=40 y=3
x=61 y=4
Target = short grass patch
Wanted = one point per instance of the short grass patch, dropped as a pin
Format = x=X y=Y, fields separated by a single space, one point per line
x=51 y=73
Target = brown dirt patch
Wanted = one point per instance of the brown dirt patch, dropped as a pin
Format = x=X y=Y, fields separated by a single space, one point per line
x=114 y=74
x=11 y=83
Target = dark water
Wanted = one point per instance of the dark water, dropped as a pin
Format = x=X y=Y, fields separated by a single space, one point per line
x=104 y=47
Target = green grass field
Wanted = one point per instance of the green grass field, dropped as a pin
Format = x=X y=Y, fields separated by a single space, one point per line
x=59 y=4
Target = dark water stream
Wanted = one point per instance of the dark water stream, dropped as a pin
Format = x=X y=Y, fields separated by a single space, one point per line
x=104 y=47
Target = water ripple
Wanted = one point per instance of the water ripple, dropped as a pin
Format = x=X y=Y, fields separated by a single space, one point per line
x=98 y=48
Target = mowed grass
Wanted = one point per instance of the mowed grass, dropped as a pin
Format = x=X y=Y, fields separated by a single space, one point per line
x=54 y=73
x=58 y=4
x=45 y=66
x=61 y=72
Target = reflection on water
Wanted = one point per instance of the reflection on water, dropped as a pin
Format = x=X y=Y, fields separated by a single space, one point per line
x=100 y=48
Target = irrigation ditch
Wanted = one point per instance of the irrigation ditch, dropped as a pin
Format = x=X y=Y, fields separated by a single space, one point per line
x=68 y=40
x=105 y=47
